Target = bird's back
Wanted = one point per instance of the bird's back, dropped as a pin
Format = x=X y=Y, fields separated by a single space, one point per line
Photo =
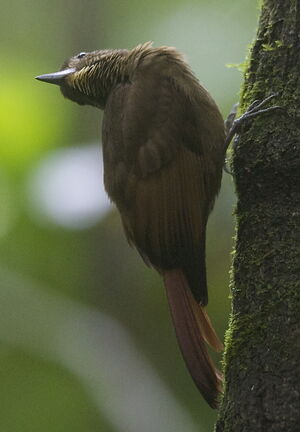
x=162 y=140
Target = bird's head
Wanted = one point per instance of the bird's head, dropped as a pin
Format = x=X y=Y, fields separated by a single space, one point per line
x=88 y=77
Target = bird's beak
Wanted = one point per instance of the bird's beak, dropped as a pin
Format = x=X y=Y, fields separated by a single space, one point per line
x=56 y=77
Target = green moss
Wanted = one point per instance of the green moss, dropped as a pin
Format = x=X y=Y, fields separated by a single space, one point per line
x=279 y=43
x=268 y=47
x=272 y=47
x=241 y=67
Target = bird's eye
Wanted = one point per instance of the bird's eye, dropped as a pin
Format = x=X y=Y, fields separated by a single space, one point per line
x=80 y=55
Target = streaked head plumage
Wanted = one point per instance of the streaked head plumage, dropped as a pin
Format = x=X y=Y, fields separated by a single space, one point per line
x=87 y=77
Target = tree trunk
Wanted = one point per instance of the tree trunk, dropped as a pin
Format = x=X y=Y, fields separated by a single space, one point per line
x=262 y=361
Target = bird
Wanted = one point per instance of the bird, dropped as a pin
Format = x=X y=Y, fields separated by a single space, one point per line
x=163 y=153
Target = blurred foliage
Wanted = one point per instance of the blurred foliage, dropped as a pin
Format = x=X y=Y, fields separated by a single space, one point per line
x=23 y=133
x=94 y=266
x=29 y=397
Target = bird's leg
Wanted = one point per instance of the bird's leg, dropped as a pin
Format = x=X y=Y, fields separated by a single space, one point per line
x=228 y=128
x=230 y=118
x=233 y=125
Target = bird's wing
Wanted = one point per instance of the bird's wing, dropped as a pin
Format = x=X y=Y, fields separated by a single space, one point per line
x=157 y=173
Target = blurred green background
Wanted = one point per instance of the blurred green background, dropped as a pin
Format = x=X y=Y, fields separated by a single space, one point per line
x=86 y=342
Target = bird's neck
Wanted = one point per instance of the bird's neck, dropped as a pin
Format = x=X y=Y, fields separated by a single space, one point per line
x=112 y=71
x=117 y=67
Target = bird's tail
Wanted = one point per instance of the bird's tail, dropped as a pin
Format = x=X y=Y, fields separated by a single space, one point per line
x=193 y=328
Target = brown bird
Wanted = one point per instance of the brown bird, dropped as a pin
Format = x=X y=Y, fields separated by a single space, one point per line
x=163 y=150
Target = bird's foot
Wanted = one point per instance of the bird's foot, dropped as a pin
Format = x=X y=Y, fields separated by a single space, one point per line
x=233 y=124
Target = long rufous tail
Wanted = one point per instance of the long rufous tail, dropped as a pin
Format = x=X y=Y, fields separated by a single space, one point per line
x=193 y=328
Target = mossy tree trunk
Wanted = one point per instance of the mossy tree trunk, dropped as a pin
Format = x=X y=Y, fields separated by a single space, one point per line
x=262 y=361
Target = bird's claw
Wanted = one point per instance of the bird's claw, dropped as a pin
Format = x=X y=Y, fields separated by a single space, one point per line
x=233 y=125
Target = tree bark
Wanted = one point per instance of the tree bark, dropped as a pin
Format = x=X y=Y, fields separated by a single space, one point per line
x=262 y=361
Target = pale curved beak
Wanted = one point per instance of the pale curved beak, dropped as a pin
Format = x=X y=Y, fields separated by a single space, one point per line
x=56 y=77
